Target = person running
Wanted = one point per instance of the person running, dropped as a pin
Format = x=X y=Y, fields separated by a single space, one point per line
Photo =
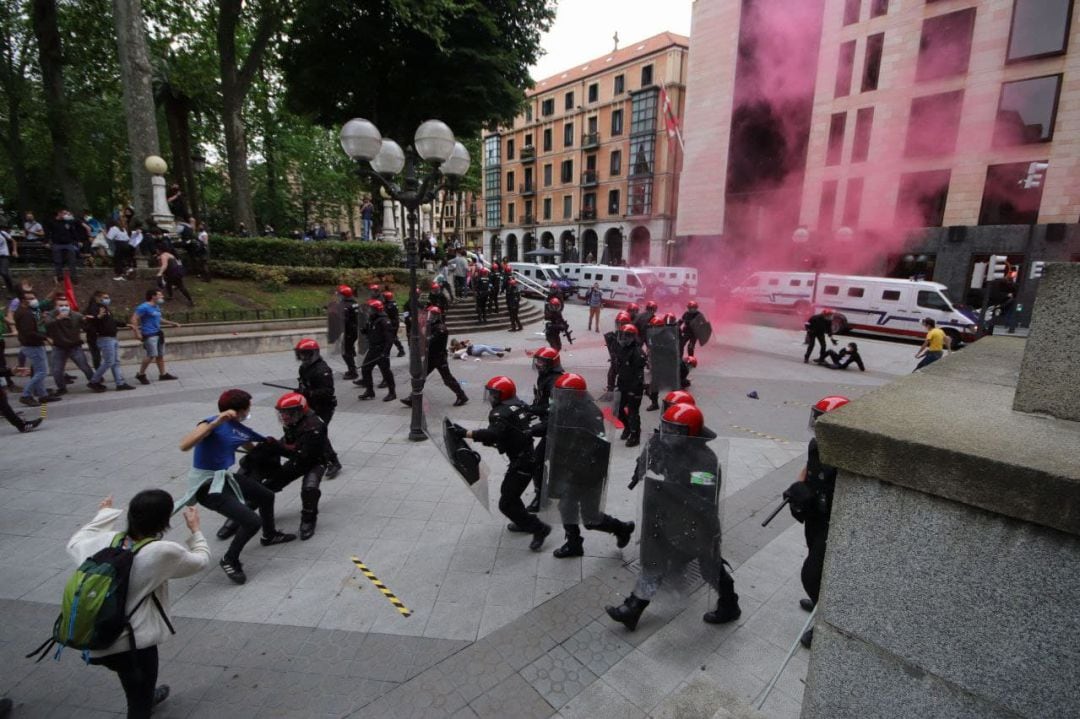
x=5 y=408
x=63 y=327
x=104 y=326
x=211 y=484
x=147 y=322
x=170 y=275
x=134 y=656
x=29 y=324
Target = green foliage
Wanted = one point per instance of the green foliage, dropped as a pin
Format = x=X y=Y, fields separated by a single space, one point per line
x=296 y=254
x=328 y=276
x=270 y=278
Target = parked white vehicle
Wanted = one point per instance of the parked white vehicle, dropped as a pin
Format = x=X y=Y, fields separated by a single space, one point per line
x=544 y=275
x=875 y=305
x=676 y=279
x=620 y=285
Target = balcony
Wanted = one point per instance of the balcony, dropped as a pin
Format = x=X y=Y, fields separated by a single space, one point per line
x=527 y=188
x=590 y=140
x=528 y=220
x=590 y=178
x=588 y=214
x=528 y=153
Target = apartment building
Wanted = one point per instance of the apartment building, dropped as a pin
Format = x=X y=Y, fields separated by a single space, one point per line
x=956 y=119
x=458 y=218
x=589 y=169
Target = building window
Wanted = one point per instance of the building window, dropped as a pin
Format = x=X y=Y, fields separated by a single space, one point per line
x=852 y=202
x=844 y=69
x=510 y=182
x=547 y=107
x=639 y=196
x=510 y=212
x=568 y=134
x=872 y=65
x=646 y=76
x=547 y=208
x=618 y=85
x=528 y=140
x=616 y=163
x=933 y=124
x=492 y=145
x=921 y=200
x=851 y=11
x=879 y=8
x=1026 y=111
x=510 y=149
x=642 y=150
x=616 y=122
x=1040 y=28
x=864 y=123
x=594 y=92
x=569 y=101
x=1012 y=194
x=547 y=140
x=566 y=171
x=567 y=206
x=547 y=175
x=836 y=138
x=945 y=46
x=827 y=206
x=613 y=205
x=528 y=113
x=492 y=214
x=643 y=112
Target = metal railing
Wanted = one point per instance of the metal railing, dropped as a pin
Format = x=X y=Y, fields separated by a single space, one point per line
x=590 y=177
x=280 y=313
x=590 y=140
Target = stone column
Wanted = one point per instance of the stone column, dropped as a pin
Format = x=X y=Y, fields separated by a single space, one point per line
x=389 y=232
x=952 y=575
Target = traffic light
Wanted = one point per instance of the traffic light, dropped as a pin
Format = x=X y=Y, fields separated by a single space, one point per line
x=997 y=268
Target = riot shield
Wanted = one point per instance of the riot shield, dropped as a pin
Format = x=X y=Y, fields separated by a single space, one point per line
x=363 y=319
x=701 y=328
x=664 y=358
x=680 y=514
x=425 y=336
x=576 y=460
x=463 y=459
x=335 y=326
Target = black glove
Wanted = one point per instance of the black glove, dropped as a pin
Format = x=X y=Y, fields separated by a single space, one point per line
x=458 y=431
x=833 y=340
x=801 y=500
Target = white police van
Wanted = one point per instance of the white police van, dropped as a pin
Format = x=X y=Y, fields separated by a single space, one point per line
x=544 y=275
x=875 y=305
x=676 y=279
x=620 y=285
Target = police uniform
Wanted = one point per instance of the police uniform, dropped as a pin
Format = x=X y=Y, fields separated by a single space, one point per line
x=630 y=381
x=438 y=358
x=686 y=331
x=482 y=288
x=814 y=508
x=380 y=334
x=394 y=314
x=513 y=306
x=316 y=382
x=545 y=384
x=555 y=325
x=350 y=335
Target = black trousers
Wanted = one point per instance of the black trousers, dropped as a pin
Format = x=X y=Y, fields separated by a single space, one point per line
x=138 y=672
x=397 y=340
x=608 y=524
x=310 y=493
x=493 y=301
x=226 y=503
x=121 y=258
x=171 y=282
x=448 y=379
x=687 y=341
x=7 y=412
x=812 y=337
x=816 y=530
x=554 y=338
x=325 y=412
x=630 y=412
x=3 y=363
x=515 y=321
x=481 y=307
x=518 y=476
x=371 y=361
x=348 y=354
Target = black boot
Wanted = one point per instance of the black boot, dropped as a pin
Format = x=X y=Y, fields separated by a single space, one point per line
x=391 y=396
x=622 y=535
x=653 y=406
x=727 y=610
x=367 y=395
x=407 y=401
x=307 y=524
x=461 y=399
x=228 y=529
x=574 y=547
x=382 y=385
x=629 y=612
x=625 y=433
x=633 y=440
x=807 y=638
x=534 y=505
x=539 y=536
x=351 y=374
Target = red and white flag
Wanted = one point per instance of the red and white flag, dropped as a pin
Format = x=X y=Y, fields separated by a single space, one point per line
x=671 y=123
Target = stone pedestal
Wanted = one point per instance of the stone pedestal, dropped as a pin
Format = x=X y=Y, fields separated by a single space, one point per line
x=390 y=231
x=162 y=217
x=952 y=579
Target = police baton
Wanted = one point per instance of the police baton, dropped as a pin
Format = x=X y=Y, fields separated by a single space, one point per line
x=776 y=511
x=280 y=386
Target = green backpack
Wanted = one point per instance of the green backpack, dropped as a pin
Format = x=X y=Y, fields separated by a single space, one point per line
x=92 y=611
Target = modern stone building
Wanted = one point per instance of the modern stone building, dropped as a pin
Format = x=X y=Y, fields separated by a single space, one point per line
x=956 y=120
x=589 y=168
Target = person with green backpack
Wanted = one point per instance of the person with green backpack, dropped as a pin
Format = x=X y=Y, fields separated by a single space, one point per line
x=115 y=606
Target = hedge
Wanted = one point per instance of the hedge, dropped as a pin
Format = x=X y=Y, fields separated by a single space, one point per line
x=294 y=253
x=274 y=278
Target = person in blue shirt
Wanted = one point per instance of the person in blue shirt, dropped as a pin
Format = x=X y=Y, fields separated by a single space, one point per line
x=211 y=484
x=147 y=323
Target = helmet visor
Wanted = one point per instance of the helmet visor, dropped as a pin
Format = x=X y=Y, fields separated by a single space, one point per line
x=492 y=395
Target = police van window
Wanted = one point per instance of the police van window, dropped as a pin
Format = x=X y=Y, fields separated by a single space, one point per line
x=809 y=283
x=891 y=295
x=614 y=278
x=933 y=300
x=588 y=275
x=831 y=290
x=795 y=283
x=632 y=281
x=774 y=281
x=855 y=292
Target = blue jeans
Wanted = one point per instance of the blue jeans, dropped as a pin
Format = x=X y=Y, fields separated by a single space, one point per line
x=61 y=355
x=39 y=368
x=65 y=255
x=109 y=347
x=929 y=358
x=366 y=233
x=481 y=350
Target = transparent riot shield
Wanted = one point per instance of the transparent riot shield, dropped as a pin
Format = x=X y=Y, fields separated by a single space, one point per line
x=701 y=328
x=463 y=459
x=664 y=358
x=679 y=478
x=425 y=333
x=335 y=326
x=363 y=319
x=576 y=460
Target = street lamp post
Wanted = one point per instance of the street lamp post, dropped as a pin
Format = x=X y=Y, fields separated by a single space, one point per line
x=382 y=160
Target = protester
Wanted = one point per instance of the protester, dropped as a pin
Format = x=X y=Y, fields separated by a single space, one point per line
x=29 y=324
x=32 y=229
x=5 y=408
x=594 y=298
x=134 y=656
x=8 y=249
x=63 y=327
x=170 y=275
x=104 y=325
x=843 y=359
x=64 y=240
x=465 y=348
x=934 y=346
x=121 y=249
x=147 y=322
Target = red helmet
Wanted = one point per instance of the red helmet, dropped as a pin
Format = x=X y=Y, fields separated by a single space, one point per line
x=678 y=397
x=553 y=284
x=691 y=360
x=545 y=358
x=826 y=312
x=306 y=350
x=388 y=295
x=555 y=302
x=670 y=318
x=826 y=404
x=655 y=321
x=691 y=305
x=683 y=419
x=376 y=305
x=623 y=318
x=632 y=308
x=629 y=329
x=495 y=266
x=435 y=286
x=345 y=291
x=650 y=305
x=513 y=282
x=485 y=271
x=434 y=310
x=306 y=344
x=291 y=407
x=373 y=288
x=499 y=389
x=571 y=381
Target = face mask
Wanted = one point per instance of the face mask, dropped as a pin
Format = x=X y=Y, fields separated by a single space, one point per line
x=246 y=417
x=63 y=310
x=107 y=301
x=67 y=217
x=160 y=300
x=34 y=304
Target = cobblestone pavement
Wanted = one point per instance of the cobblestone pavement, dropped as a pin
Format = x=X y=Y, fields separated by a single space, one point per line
x=496 y=630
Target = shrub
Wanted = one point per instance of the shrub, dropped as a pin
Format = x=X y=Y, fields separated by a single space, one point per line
x=312 y=275
x=271 y=279
x=294 y=253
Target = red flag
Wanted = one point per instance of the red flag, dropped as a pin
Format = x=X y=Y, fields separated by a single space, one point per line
x=670 y=121
x=69 y=290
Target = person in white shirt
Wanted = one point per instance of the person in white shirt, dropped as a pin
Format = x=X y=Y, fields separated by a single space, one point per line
x=118 y=239
x=151 y=569
x=33 y=228
x=8 y=249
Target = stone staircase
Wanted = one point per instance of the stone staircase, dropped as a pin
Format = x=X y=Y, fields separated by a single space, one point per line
x=461 y=317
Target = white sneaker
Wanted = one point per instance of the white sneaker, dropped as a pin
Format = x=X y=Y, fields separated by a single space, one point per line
x=118 y=279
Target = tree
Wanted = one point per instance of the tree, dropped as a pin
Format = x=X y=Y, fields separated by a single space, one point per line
x=14 y=65
x=236 y=78
x=43 y=15
x=400 y=62
x=139 y=113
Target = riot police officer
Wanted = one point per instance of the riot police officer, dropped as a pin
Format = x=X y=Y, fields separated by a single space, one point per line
x=644 y=319
x=687 y=336
x=811 y=503
x=548 y=366
x=680 y=516
x=482 y=288
x=513 y=304
x=316 y=382
x=392 y=311
x=351 y=330
x=437 y=356
x=611 y=340
x=380 y=335
x=496 y=278
x=633 y=309
x=630 y=381
x=554 y=324
x=508 y=431
x=437 y=298
x=688 y=363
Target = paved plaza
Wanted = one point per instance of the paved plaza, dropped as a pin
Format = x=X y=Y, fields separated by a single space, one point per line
x=495 y=630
